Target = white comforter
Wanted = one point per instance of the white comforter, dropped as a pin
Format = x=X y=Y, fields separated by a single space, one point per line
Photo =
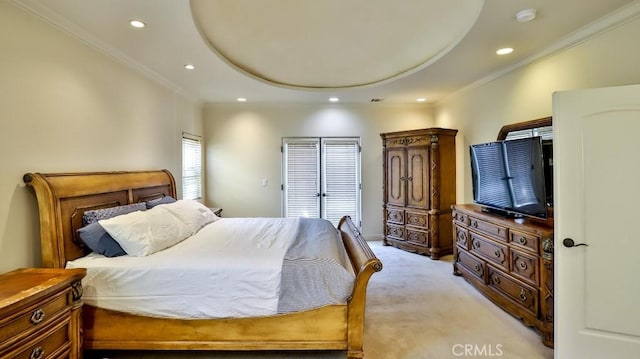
x=230 y=268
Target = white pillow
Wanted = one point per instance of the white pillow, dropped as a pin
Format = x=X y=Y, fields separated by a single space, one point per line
x=145 y=232
x=192 y=213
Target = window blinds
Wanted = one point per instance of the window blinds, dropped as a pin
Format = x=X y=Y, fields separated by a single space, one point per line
x=191 y=167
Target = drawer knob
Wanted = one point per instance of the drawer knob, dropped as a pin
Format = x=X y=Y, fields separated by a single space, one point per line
x=37 y=316
x=497 y=253
x=474 y=224
x=37 y=353
x=476 y=244
x=522 y=240
x=478 y=267
x=495 y=279
x=523 y=295
x=522 y=265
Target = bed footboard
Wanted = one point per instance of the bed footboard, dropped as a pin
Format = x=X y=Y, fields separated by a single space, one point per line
x=365 y=263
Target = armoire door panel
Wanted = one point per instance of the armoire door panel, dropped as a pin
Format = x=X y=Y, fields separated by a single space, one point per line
x=417 y=177
x=396 y=177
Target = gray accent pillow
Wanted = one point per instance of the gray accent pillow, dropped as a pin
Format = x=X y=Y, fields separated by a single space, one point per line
x=95 y=215
x=99 y=241
x=161 y=200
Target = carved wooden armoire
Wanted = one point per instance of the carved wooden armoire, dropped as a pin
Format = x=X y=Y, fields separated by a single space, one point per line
x=419 y=188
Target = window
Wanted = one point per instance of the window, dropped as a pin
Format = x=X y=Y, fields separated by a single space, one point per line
x=321 y=178
x=191 y=166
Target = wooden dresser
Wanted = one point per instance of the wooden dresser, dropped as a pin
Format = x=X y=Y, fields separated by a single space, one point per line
x=510 y=261
x=419 y=188
x=40 y=313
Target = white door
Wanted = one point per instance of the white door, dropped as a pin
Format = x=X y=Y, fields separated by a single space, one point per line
x=597 y=181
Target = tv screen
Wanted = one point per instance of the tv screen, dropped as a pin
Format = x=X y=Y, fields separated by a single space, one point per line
x=509 y=176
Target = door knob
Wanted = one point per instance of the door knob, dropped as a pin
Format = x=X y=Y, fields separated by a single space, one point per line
x=568 y=242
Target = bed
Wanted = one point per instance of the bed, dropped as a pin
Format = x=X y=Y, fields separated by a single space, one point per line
x=63 y=198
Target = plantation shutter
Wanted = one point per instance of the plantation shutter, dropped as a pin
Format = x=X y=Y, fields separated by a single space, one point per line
x=301 y=177
x=341 y=180
x=191 y=167
x=321 y=178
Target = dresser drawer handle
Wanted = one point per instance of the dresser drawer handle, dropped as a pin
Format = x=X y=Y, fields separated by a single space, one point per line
x=522 y=265
x=478 y=267
x=497 y=253
x=523 y=295
x=474 y=224
x=37 y=353
x=37 y=316
x=522 y=240
x=476 y=245
x=495 y=279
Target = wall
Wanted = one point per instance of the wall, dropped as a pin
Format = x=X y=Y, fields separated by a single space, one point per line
x=609 y=58
x=66 y=107
x=243 y=147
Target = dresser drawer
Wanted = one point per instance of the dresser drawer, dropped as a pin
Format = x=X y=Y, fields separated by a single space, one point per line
x=460 y=218
x=490 y=250
x=494 y=230
x=395 y=215
x=471 y=264
x=396 y=232
x=52 y=342
x=417 y=219
x=415 y=236
x=525 y=267
x=461 y=236
x=525 y=241
x=17 y=326
x=522 y=294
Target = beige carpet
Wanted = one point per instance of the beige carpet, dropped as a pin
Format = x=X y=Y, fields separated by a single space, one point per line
x=416 y=309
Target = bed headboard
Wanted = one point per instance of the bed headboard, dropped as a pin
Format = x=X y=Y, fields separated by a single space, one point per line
x=64 y=197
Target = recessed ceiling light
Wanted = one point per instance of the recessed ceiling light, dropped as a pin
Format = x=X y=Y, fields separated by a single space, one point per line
x=189 y=67
x=526 y=15
x=421 y=99
x=504 y=51
x=241 y=99
x=137 y=24
x=334 y=99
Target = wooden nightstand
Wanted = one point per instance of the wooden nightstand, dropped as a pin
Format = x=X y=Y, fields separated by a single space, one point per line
x=40 y=313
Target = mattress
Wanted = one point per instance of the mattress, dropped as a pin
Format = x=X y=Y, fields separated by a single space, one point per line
x=234 y=267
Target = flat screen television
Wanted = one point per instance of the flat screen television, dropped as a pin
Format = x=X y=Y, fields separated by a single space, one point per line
x=509 y=176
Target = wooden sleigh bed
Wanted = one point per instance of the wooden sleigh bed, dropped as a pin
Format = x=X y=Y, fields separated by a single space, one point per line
x=62 y=201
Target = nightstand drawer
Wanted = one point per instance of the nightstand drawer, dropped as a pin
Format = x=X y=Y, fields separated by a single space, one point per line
x=494 y=230
x=53 y=343
x=15 y=327
x=490 y=250
x=523 y=295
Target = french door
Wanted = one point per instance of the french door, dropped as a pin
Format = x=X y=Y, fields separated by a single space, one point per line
x=321 y=177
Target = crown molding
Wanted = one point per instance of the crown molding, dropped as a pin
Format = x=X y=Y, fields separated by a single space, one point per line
x=608 y=22
x=36 y=8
